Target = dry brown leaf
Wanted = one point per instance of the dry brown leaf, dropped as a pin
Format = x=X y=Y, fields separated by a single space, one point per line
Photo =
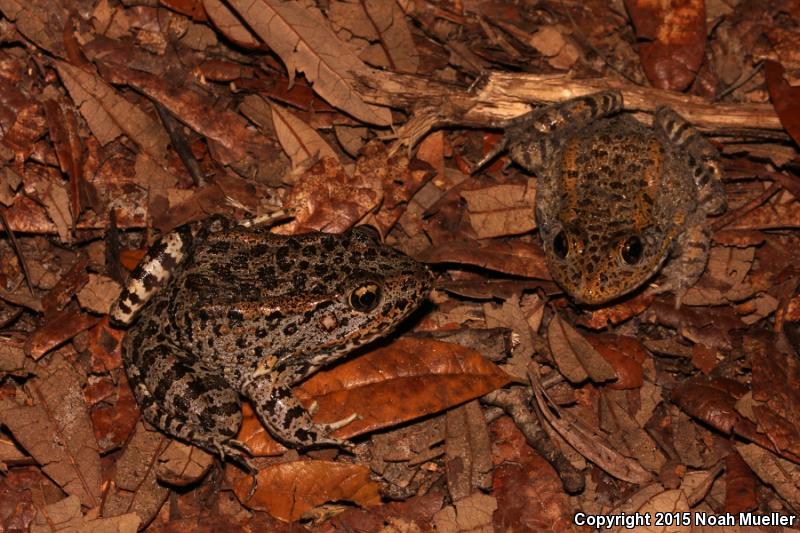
x=300 y=141
x=47 y=188
x=625 y=354
x=784 y=97
x=550 y=42
x=400 y=180
x=587 y=441
x=300 y=35
x=575 y=357
x=719 y=403
x=404 y=380
x=41 y=21
x=181 y=464
x=528 y=490
x=12 y=355
x=232 y=141
x=98 y=294
x=776 y=391
x=115 y=417
x=468 y=461
x=516 y=258
x=290 y=491
x=56 y=409
x=672 y=38
x=61 y=294
x=780 y=474
x=511 y=316
x=229 y=24
x=501 y=210
x=135 y=487
x=740 y=485
x=625 y=434
x=473 y=513
x=109 y=115
x=725 y=277
x=380 y=32
x=22 y=121
x=713 y=401
x=327 y=199
x=58 y=329
x=777 y=214
x=667 y=502
x=9 y=184
x=65 y=515
x=351 y=138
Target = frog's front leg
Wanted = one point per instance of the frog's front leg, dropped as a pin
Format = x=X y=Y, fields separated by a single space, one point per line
x=529 y=137
x=269 y=389
x=689 y=260
x=185 y=400
x=703 y=158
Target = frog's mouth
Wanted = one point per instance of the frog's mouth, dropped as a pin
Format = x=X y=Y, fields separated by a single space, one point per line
x=608 y=284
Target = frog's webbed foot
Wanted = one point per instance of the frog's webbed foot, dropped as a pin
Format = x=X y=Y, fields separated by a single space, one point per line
x=287 y=420
x=703 y=158
x=689 y=262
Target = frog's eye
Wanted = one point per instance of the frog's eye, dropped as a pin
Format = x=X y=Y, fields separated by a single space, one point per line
x=365 y=298
x=561 y=244
x=632 y=250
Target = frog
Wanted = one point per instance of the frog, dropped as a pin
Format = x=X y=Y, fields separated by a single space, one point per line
x=618 y=201
x=217 y=311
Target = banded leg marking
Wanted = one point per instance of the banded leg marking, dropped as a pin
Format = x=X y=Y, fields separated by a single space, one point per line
x=703 y=158
x=153 y=272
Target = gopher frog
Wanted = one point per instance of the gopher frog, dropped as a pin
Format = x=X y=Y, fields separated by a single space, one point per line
x=224 y=310
x=616 y=199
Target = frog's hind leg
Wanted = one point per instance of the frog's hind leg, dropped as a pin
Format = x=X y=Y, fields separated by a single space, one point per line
x=528 y=137
x=703 y=158
x=153 y=272
x=157 y=266
x=187 y=401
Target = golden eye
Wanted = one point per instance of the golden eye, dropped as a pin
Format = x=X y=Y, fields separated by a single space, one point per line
x=632 y=250
x=561 y=245
x=365 y=298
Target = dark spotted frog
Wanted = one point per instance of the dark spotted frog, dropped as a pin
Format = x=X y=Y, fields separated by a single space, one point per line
x=218 y=310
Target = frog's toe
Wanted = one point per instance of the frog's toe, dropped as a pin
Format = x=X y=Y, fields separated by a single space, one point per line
x=239 y=445
x=236 y=451
x=339 y=443
x=333 y=426
x=667 y=286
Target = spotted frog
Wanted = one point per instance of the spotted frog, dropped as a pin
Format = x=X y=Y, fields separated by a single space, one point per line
x=219 y=310
x=616 y=200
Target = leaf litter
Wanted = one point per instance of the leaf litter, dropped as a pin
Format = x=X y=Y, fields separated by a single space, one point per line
x=501 y=404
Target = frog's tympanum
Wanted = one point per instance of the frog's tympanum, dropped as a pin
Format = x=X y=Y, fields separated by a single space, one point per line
x=616 y=199
x=220 y=310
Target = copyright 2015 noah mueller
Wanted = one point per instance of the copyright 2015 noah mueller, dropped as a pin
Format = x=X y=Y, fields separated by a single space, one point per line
x=659 y=519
